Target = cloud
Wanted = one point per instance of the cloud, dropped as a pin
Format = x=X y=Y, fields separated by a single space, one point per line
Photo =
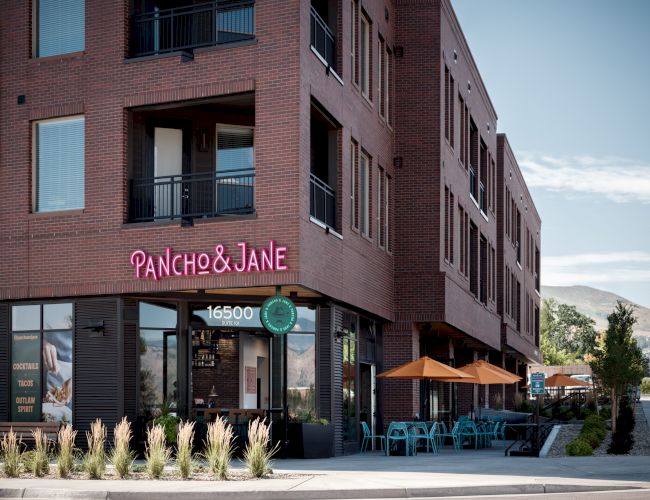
x=595 y=268
x=619 y=179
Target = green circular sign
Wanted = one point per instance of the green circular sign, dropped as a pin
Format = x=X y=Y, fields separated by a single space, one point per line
x=278 y=314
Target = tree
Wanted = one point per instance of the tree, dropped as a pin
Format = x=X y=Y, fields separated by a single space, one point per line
x=617 y=361
x=566 y=335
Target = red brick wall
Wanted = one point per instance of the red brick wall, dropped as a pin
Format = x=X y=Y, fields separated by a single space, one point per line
x=87 y=252
x=224 y=377
x=509 y=176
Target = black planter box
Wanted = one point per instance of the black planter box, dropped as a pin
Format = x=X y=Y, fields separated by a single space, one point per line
x=311 y=440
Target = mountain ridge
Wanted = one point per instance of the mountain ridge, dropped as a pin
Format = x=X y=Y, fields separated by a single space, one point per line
x=597 y=304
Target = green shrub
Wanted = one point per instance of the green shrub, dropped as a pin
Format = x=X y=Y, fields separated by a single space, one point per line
x=605 y=413
x=595 y=425
x=169 y=423
x=645 y=385
x=591 y=438
x=566 y=415
x=579 y=448
x=622 y=439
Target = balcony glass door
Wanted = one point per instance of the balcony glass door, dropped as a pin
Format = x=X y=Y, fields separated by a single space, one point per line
x=168 y=166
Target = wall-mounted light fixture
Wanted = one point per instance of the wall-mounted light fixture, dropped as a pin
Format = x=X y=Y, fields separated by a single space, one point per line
x=95 y=327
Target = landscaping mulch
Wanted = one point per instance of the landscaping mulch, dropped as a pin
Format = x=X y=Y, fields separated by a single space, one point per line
x=641 y=433
x=200 y=474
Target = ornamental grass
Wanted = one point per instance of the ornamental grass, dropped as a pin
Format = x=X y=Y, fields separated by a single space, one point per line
x=94 y=463
x=219 y=447
x=121 y=456
x=258 y=453
x=156 y=453
x=184 y=456
x=11 y=454
x=39 y=459
x=65 y=457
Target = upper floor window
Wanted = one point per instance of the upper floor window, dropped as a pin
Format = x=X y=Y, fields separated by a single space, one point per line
x=364 y=194
x=59 y=164
x=61 y=27
x=450 y=105
x=354 y=41
x=365 y=54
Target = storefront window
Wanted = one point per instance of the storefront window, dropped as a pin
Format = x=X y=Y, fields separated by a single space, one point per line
x=349 y=340
x=42 y=364
x=301 y=376
x=158 y=358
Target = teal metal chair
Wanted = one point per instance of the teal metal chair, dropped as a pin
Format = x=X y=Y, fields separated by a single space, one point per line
x=454 y=434
x=369 y=438
x=418 y=432
x=397 y=432
x=434 y=437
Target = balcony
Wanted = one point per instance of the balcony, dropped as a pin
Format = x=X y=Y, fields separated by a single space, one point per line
x=322 y=201
x=323 y=40
x=185 y=28
x=188 y=196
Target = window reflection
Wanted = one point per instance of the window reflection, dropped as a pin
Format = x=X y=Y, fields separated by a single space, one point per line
x=158 y=359
x=350 y=420
x=301 y=376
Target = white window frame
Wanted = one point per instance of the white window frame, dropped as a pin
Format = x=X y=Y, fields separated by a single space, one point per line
x=364 y=201
x=36 y=166
x=364 y=57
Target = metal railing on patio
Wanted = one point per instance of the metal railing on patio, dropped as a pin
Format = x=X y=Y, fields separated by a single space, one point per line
x=323 y=39
x=194 y=195
x=322 y=201
x=192 y=26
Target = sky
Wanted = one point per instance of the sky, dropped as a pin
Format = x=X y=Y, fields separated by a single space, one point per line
x=570 y=83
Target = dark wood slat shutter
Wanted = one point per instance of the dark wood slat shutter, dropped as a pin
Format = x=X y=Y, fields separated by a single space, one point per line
x=130 y=345
x=4 y=363
x=337 y=384
x=325 y=362
x=97 y=391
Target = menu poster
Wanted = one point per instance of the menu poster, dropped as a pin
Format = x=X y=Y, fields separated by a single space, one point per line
x=251 y=380
x=26 y=377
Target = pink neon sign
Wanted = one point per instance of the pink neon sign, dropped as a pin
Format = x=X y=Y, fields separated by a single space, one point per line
x=269 y=258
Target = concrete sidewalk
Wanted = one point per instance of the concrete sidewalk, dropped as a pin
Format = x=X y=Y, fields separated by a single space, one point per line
x=373 y=475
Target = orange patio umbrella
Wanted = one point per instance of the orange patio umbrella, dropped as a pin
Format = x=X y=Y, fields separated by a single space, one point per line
x=484 y=373
x=561 y=380
x=424 y=368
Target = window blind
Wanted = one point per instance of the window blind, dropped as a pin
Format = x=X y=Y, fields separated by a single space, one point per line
x=61 y=27
x=60 y=165
x=234 y=149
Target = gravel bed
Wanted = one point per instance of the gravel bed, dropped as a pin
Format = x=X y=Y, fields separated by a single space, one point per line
x=198 y=474
x=641 y=433
x=567 y=433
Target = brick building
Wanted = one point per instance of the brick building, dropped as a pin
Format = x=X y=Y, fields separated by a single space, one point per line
x=167 y=165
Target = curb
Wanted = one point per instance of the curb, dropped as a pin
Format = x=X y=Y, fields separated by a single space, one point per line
x=506 y=489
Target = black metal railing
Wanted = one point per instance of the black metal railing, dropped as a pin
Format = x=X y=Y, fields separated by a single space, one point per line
x=528 y=439
x=322 y=201
x=323 y=39
x=193 y=26
x=195 y=195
